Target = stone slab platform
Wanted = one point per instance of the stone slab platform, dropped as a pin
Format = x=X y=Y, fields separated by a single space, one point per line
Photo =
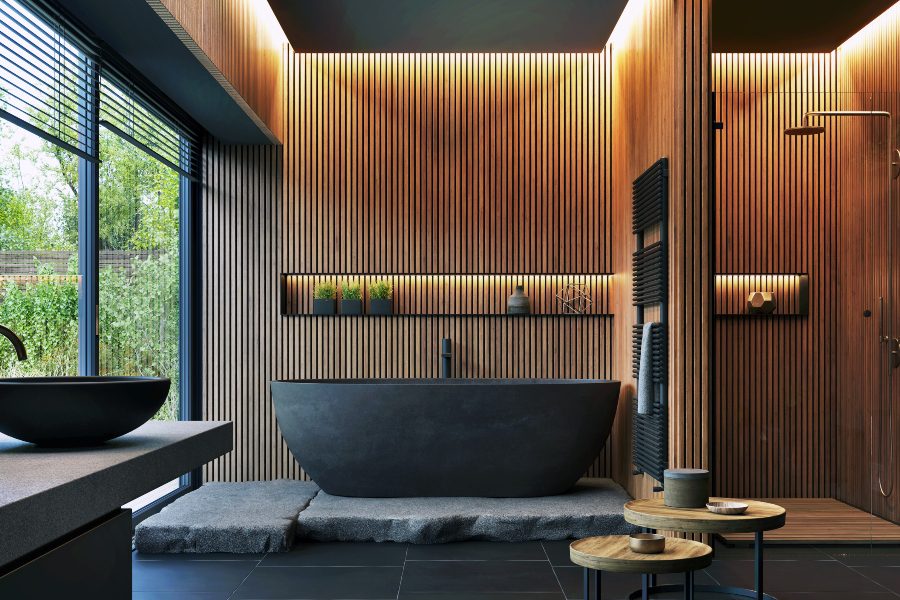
x=268 y=516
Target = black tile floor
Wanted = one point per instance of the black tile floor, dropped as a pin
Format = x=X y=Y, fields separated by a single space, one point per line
x=491 y=571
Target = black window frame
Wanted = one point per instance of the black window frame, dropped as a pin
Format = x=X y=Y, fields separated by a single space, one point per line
x=105 y=60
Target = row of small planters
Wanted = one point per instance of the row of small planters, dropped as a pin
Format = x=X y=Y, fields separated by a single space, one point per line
x=325 y=295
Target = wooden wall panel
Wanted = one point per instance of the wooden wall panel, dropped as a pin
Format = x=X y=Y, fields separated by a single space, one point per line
x=460 y=168
x=776 y=212
x=691 y=235
x=448 y=163
x=660 y=66
x=869 y=80
x=242 y=46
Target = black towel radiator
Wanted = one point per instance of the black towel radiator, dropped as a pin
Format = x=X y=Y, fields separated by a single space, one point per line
x=649 y=204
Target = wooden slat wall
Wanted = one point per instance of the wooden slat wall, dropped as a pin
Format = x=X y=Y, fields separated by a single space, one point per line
x=241 y=44
x=691 y=234
x=447 y=163
x=776 y=212
x=411 y=164
x=869 y=80
x=660 y=108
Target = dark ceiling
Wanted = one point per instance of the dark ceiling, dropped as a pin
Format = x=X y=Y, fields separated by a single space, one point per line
x=135 y=32
x=448 y=25
x=789 y=25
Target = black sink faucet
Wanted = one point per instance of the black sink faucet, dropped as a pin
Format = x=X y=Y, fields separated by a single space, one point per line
x=16 y=342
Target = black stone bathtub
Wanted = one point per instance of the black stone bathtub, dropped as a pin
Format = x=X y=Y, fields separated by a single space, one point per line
x=445 y=437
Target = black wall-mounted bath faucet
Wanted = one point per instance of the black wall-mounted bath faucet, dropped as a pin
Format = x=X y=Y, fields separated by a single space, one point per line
x=446 y=359
x=16 y=342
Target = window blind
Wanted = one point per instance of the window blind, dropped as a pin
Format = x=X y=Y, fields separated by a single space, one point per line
x=127 y=112
x=47 y=78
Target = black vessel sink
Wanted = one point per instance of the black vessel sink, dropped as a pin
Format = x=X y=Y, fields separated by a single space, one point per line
x=77 y=411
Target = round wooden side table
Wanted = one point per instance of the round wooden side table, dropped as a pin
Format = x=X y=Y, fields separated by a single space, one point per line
x=611 y=553
x=651 y=514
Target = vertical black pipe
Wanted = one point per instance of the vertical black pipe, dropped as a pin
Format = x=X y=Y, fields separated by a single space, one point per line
x=446 y=357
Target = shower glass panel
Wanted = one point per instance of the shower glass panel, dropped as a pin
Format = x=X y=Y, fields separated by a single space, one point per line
x=803 y=400
x=869 y=309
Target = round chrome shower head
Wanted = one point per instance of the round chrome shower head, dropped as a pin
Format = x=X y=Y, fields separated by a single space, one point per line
x=804 y=130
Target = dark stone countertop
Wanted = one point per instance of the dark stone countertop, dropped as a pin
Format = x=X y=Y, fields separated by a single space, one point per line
x=47 y=493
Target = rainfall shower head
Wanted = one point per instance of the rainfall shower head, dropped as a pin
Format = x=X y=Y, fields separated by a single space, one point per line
x=804 y=130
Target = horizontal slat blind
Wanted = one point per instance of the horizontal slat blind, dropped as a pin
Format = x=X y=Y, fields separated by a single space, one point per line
x=46 y=77
x=127 y=113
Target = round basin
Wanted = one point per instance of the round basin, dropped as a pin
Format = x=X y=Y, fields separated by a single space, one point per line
x=65 y=412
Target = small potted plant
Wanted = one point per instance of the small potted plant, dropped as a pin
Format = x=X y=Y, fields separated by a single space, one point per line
x=324 y=294
x=351 y=299
x=380 y=298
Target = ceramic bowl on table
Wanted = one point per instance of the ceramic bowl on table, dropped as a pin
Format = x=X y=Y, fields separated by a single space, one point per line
x=647 y=543
x=727 y=508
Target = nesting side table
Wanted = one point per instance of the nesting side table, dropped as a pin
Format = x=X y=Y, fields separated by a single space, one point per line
x=652 y=514
x=611 y=553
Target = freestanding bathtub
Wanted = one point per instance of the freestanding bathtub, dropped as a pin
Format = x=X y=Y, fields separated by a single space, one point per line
x=445 y=437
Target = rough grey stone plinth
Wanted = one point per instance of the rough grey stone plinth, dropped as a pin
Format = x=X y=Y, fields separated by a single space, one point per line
x=593 y=507
x=257 y=516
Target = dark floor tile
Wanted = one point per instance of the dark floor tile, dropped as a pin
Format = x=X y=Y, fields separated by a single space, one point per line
x=794 y=576
x=299 y=583
x=477 y=551
x=558 y=553
x=616 y=586
x=770 y=552
x=612 y=585
x=189 y=556
x=339 y=554
x=485 y=596
x=835 y=596
x=866 y=556
x=889 y=577
x=180 y=595
x=461 y=577
x=188 y=576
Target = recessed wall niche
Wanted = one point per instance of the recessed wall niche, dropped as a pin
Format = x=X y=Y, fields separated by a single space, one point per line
x=455 y=295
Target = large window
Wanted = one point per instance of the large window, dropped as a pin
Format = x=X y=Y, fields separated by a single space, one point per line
x=38 y=253
x=95 y=200
x=139 y=265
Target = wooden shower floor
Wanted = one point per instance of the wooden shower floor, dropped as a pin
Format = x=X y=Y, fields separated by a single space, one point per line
x=825 y=521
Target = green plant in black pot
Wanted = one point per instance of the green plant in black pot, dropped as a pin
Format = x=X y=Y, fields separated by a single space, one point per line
x=351 y=299
x=324 y=294
x=381 y=298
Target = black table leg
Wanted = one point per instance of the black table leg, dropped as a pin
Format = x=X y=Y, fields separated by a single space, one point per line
x=649 y=586
x=758 y=552
x=597 y=585
x=688 y=585
x=587 y=581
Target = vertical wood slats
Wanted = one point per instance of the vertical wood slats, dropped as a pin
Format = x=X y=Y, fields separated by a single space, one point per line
x=454 y=294
x=691 y=240
x=660 y=90
x=240 y=47
x=467 y=164
x=448 y=163
x=776 y=212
